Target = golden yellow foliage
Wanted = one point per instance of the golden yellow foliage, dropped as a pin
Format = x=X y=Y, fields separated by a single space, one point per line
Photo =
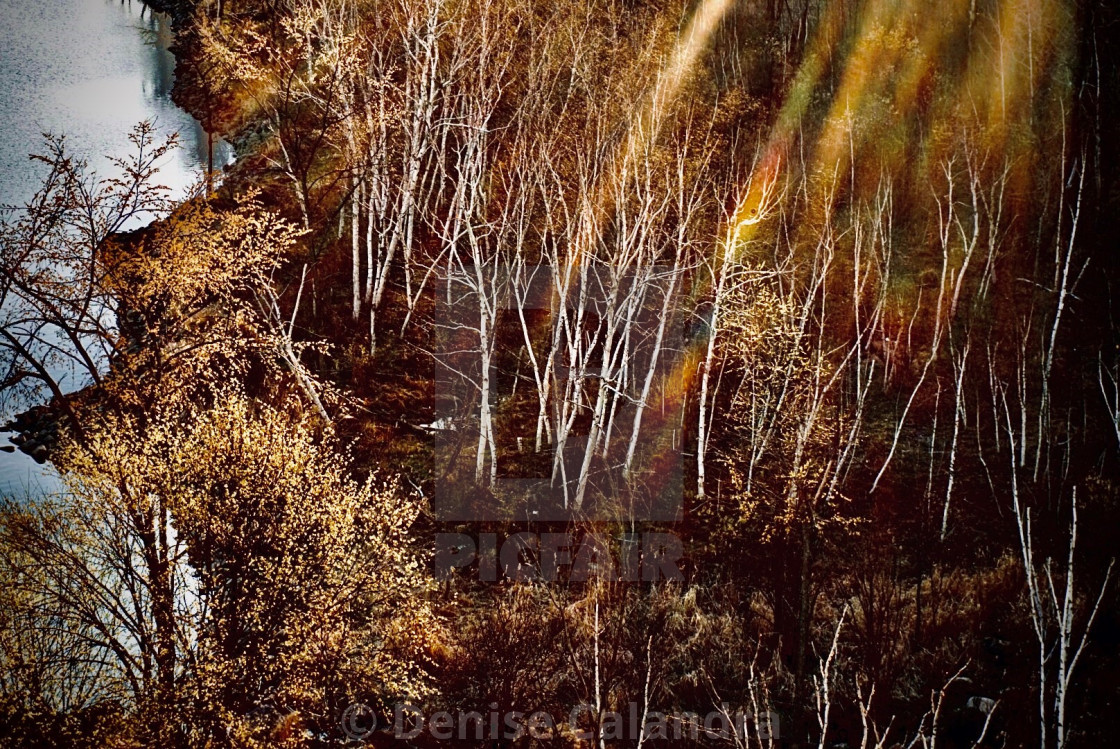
x=281 y=581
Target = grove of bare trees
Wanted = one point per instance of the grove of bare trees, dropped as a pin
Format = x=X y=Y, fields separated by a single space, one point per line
x=823 y=289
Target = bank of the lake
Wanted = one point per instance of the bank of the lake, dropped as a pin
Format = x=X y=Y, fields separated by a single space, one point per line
x=88 y=70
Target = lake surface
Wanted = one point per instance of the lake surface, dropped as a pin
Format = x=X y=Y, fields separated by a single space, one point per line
x=91 y=70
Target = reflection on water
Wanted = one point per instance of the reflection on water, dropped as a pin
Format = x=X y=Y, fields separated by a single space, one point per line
x=89 y=69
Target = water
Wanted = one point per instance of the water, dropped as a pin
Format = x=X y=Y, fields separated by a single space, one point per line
x=89 y=69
